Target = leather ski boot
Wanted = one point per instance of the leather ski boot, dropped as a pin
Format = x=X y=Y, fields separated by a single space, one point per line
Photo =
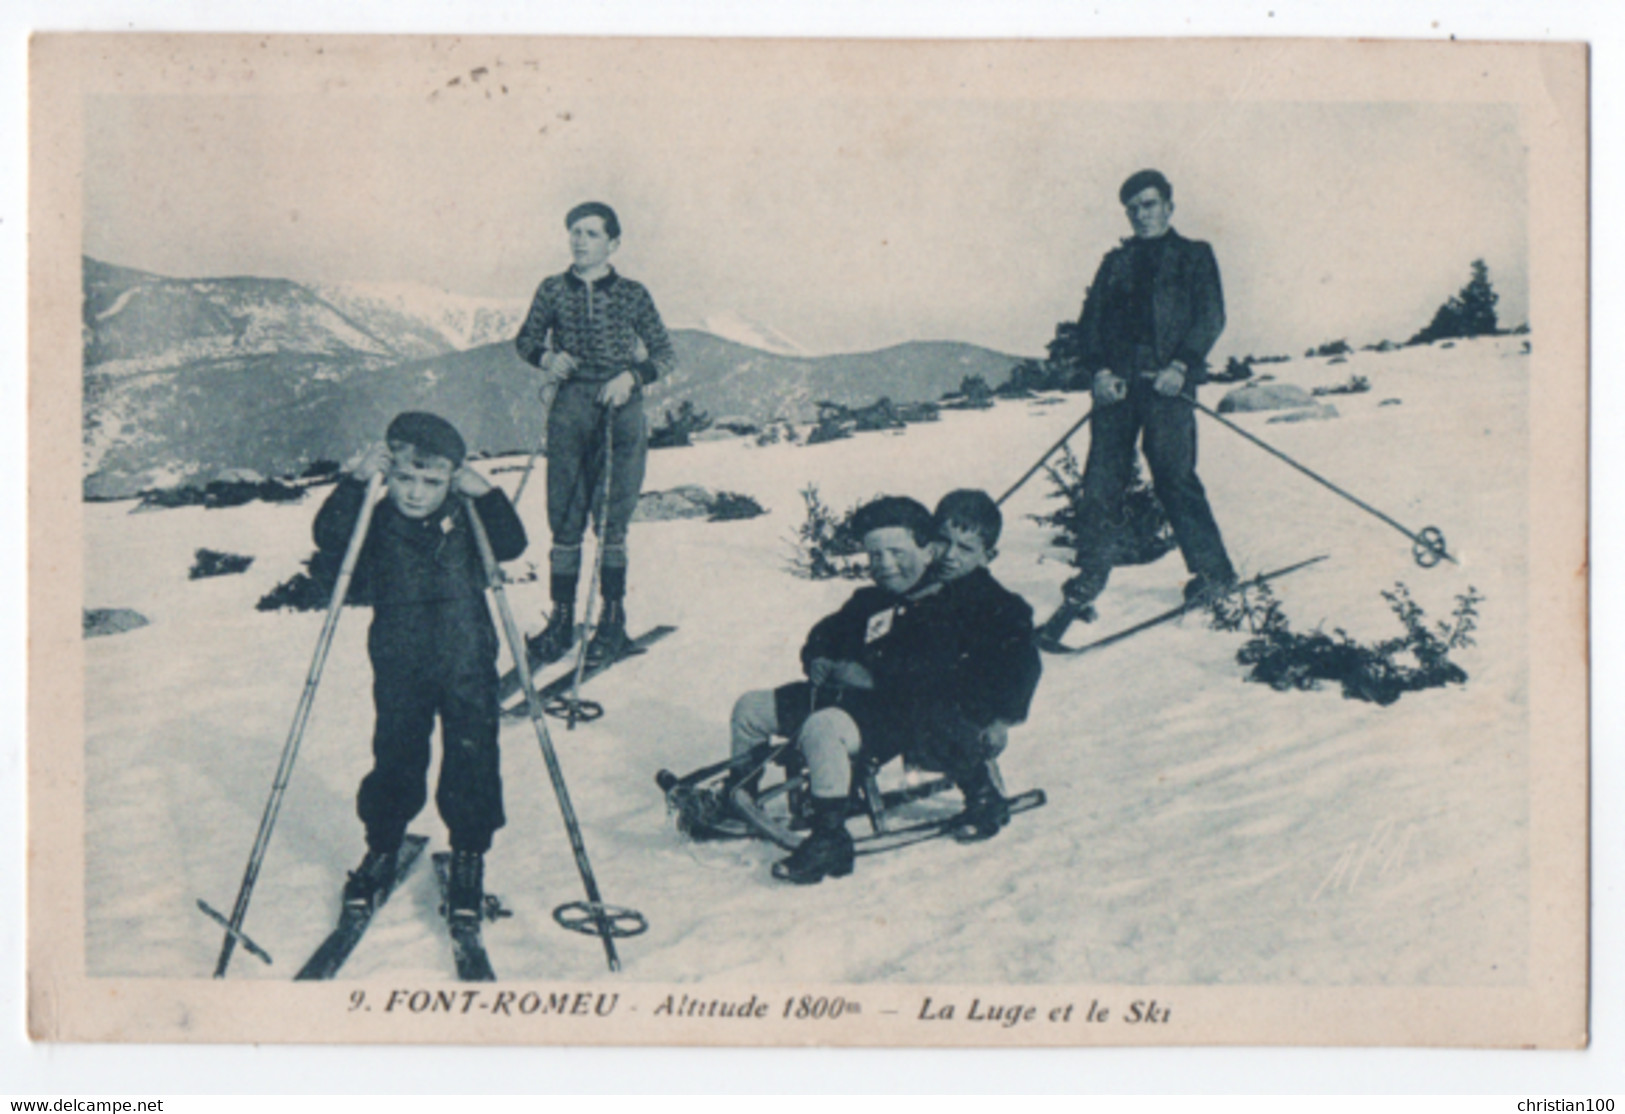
x=826 y=853
x=986 y=809
x=465 y=894
x=554 y=642
x=609 y=642
x=368 y=884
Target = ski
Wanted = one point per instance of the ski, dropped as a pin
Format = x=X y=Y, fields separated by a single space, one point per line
x=561 y=685
x=1056 y=646
x=467 y=944
x=325 y=962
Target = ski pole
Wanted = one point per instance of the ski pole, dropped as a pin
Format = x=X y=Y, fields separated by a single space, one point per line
x=589 y=628
x=549 y=393
x=1427 y=544
x=290 y=749
x=1049 y=452
x=591 y=917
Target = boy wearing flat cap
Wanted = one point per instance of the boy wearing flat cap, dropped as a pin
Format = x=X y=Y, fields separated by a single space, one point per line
x=432 y=644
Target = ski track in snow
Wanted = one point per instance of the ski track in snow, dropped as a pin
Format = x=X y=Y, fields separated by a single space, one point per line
x=1199 y=829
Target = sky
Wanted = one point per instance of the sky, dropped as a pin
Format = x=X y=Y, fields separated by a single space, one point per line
x=842 y=220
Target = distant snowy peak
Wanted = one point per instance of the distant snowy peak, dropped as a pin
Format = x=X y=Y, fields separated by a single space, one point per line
x=135 y=322
x=730 y=325
x=431 y=321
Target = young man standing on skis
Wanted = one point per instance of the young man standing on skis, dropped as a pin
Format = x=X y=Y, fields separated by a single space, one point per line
x=934 y=661
x=584 y=332
x=432 y=645
x=1150 y=318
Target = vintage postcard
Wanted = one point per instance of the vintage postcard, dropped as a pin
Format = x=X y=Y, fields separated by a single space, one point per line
x=1013 y=544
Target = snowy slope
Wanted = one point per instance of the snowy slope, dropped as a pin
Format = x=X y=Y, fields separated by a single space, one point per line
x=1199 y=830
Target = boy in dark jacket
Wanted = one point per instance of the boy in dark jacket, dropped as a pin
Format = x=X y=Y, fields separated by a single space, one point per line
x=432 y=644
x=934 y=661
x=584 y=332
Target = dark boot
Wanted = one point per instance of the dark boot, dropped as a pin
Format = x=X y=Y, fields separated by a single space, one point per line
x=986 y=809
x=827 y=852
x=465 y=894
x=609 y=642
x=368 y=884
x=554 y=642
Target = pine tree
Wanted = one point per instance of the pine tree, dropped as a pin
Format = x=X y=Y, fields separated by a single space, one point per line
x=1470 y=313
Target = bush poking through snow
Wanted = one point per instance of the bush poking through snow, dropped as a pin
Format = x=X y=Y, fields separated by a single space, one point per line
x=312 y=590
x=678 y=427
x=210 y=562
x=222 y=493
x=824 y=545
x=1141 y=535
x=1353 y=385
x=730 y=506
x=1380 y=672
x=973 y=394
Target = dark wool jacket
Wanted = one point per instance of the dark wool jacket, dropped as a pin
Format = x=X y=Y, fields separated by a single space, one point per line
x=423 y=577
x=961 y=650
x=599 y=324
x=1187 y=308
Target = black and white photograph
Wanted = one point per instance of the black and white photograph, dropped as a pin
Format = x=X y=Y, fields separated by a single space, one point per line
x=631 y=541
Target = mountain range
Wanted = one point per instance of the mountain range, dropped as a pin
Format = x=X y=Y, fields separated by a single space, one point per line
x=186 y=378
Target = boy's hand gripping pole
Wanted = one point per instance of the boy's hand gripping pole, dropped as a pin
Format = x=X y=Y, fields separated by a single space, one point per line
x=591 y=917
x=1427 y=544
x=1049 y=452
x=290 y=750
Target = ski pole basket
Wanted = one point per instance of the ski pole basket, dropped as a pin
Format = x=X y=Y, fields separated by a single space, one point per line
x=574 y=709
x=597 y=919
x=1429 y=548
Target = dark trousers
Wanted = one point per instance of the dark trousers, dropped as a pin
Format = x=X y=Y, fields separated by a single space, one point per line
x=1166 y=427
x=575 y=473
x=407 y=697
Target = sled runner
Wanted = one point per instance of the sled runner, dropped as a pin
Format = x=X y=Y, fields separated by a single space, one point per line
x=762 y=794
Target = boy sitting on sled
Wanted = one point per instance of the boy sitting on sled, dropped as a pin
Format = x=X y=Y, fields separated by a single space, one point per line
x=432 y=645
x=934 y=661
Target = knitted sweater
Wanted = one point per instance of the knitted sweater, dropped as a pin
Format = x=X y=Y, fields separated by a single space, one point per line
x=599 y=324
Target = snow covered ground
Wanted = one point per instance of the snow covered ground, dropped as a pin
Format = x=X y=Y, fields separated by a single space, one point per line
x=1199 y=829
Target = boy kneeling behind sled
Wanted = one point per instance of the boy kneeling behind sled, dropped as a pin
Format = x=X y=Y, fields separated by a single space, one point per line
x=935 y=661
x=433 y=648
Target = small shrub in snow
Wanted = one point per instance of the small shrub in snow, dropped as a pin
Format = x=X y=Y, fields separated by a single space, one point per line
x=1330 y=348
x=222 y=493
x=1353 y=385
x=1380 y=672
x=824 y=545
x=1140 y=534
x=678 y=427
x=729 y=506
x=312 y=590
x=973 y=394
x=210 y=562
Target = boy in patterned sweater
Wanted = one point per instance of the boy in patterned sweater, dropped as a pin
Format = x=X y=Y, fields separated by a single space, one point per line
x=598 y=340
